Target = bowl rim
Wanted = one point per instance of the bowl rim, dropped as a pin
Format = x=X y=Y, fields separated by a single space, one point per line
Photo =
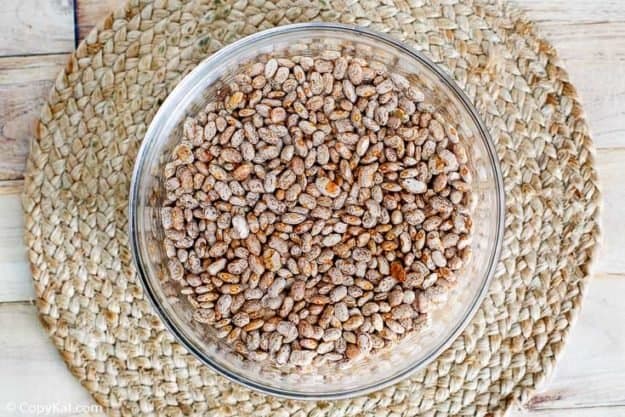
x=186 y=88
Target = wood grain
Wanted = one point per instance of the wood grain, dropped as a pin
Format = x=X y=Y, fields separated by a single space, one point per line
x=91 y=12
x=590 y=38
x=566 y=412
x=24 y=85
x=610 y=167
x=15 y=281
x=592 y=51
x=11 y=186
x=572 y=12
x=32 y=370
x=590 y=373
x=36 y=27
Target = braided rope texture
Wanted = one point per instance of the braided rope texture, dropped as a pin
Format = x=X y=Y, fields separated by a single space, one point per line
x=78 y=175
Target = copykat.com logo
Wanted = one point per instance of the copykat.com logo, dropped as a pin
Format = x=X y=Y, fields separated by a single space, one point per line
x=26 y=408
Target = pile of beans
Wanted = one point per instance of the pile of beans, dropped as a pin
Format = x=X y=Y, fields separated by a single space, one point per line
x=316 y=209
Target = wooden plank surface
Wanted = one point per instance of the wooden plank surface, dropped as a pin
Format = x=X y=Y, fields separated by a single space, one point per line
x=32 y=370
x=611 y=168
x=24 y=86
x=567 y=412
x=90 y=12
x=573 y=13
x=15 y=281
x=36 y=27
x=589 y=45
x=590 y=38
x=590 y=373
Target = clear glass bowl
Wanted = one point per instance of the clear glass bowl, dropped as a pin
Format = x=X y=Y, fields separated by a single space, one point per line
x=377 y=370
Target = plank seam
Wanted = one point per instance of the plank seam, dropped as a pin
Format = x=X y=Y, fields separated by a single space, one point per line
x=76 y=29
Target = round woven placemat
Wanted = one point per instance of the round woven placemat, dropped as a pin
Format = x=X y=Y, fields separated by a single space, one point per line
x=79 y=171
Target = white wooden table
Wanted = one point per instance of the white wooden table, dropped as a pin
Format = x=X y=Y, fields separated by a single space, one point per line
x=37 y=35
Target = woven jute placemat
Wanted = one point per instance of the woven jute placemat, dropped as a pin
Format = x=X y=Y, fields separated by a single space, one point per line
x=78 y=175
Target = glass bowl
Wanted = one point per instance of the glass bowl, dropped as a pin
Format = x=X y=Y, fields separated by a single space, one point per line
x=377 y=370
